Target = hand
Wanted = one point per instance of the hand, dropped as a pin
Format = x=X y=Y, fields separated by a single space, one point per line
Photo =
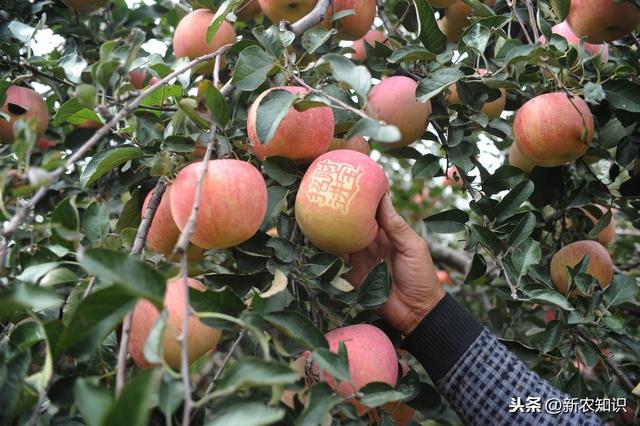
x=416 y=289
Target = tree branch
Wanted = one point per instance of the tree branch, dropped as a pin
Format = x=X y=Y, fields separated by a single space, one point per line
x=532 y=20
x=515 y=14
x=616 y=369
x=386 y=22
x=312 y=18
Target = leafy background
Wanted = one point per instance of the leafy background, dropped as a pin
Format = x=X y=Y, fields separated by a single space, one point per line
x=69 y=279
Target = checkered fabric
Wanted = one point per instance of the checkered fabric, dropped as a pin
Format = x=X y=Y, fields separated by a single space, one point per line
x=482 y=384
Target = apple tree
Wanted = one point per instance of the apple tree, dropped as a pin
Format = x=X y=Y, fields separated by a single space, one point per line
x=180 y=182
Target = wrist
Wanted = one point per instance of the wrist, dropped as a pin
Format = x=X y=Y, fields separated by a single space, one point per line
x=417 y=313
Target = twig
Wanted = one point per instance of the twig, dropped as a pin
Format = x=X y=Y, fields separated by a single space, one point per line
x=87 y=291
x=208 y=368
x=514 y=290
x=12 y=226
x=36 y=71
x=391 y=29
x=311 y=19
x=532 y=20
x=515 y=13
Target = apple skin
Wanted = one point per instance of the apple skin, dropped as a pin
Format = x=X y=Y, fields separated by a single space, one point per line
x=607 y=235
x=201 y=338
x=290 y=10
x=518 y=159
x=492 y=109
x=444 y=277
x=355 y=143
x=603 y=20
x=44 y=144
x=441 y=3
x=459 y=12
x=548 y=129
x=393 y=101
x=190 y=36
x=248 y=10
x=355 y=26
x=344 y=224
x=371 y=355
x=453 y=179
x=301 y=136
x=164 y=233
x=85 y=5
x=233 y=204
x=373 y=36
x=600 y=263
x=137 y=78
x=35 y=107
x=453 y=32
x=597 y=51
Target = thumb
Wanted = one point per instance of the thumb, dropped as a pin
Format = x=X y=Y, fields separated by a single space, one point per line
x=401 y=235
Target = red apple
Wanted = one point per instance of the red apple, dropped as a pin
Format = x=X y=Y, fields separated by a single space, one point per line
x=247 y=10
x=453 y=32
x=301 y=136
x=289 y=10
x=393 y=101
x=603 y=20
x=45 y=143
x=600 y=264
x=23 y=104
x=164 y=233
x=492 y=109
x=441 y=3
x=553 y=129
x=85 y=5
x=597 y=51
x=337 y=201
x=190 y=36
x=201 y=338
x=444 y=277
x=517 y=159
x=607 y=235
x=371 y=38
x=355 y=26
x=355 y=143
x=454 y=178
x=233 y=204
x=459 y=12
x=138 y=77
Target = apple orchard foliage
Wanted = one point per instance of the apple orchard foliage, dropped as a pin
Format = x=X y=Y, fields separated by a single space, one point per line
x=68 y=279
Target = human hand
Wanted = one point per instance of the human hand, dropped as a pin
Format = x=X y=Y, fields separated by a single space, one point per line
x=416 y=289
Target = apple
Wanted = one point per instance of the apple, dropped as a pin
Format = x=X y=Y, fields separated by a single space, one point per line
x=201 y=338
x=23 y=104
x=597 y=51
x=371 y=38
x=232 y=207
x=607 y=235
x=603 y=20
x=453 y=32
x=247 y=10
x=453 y=178
x=393 y=101
x=289 y=10
x=441 y=3
x=492 y=109
x=371 y=357
x=301 y=136
x=444 y=277
x=459 y=12
x=549 y=129
x=85 y=5
x=190 y=36
x=44 y=144
x=518 y=159
x=355 y=26
x=355 y=143
x=600 y=264
x=164 y=233
x=337 y=201
x=137 y=79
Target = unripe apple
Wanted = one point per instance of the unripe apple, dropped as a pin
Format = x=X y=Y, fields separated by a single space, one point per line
x=441 y=3
x=355 y=143
x=553 y=129
x=355 y=26
x=459 y=12
x=453 y=32
x=247 y=10
x=190 y=36
x=371 y=357
x=393 y=101
x=200 y=339
x=138 y=77
x=337 y=201
x=85 y=5
x=164 y=233
x=232 y=207
x=518 y=159
x=373 y=36
x=23 y=104
x=301 y=136
x=597 y=51
x=600 y=264
x=603 y=20
x=492 y=109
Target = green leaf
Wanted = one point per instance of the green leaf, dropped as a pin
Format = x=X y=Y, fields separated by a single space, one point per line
x=93 y=401
x=357 y=77
x=248 y=414
x=523 y=229
x=477 y=269
x=411 y=54
x=437 y=82
x=550 y=296
x=447 y=222
x=21 y=297
x=426 y=167
x=525 y=254
x=552 y=336
x=96 y=222
x=217 y=104
x=315 y=37
x=561 y=7
x=133 y=406
x=225 y=8
x=513 y=200
x=154 y=344
x=252 y=373
x=252 y=68
x=105 y=161
x=476 y=37
x=223 y=301
x=321 y=400
x=428 y=32
x=377 y=394
x=335 y=364
x=272 y=109
x=623 y=94
x=281 y=169
x=376 y=130
x=622 y=289
x=487 y=239
x=297 y=327
x=124 y=270
x=375 y=289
